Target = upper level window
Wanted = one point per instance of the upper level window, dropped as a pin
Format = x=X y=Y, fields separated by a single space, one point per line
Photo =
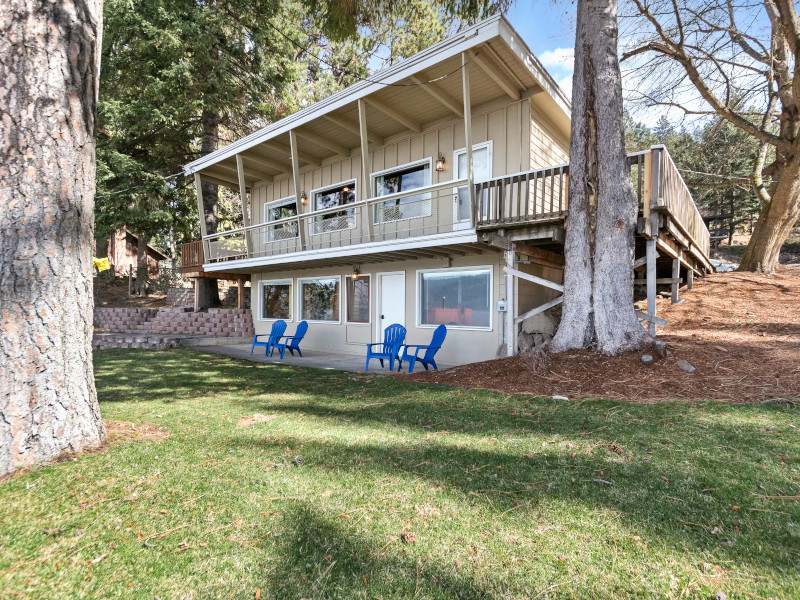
x=403 y=179
x=277 y=210
x=341 y=194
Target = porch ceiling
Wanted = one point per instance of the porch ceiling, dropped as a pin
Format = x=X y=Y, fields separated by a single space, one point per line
x=499 y=68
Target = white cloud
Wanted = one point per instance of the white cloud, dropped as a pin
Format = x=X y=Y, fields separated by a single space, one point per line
x=560 y=63
x=566 y=86
x=560 y=59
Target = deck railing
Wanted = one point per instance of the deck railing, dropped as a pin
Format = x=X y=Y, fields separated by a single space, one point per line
x=522 y=198
x=192 y=255
x=422 y=211
x=542 y=194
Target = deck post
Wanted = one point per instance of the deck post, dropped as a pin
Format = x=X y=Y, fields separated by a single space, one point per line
x=240 y=295
x=473 y=209
x=676 y=275
x=511 y=306
x=689 y=278
x=243 y=198
x=201 y=212
x=650 y=247
x=301 y=231
x=365 y=165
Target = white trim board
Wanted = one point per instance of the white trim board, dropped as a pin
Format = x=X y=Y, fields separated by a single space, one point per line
x=428 y=241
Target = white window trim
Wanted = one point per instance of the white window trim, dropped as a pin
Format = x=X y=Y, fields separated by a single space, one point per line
x=347 y=300
x=374 y=176
x=476 y=268
x=300 y=281
x=266 y=221
x=489 y=144
x=313 y=200
x=261 y=285
x=278 y=202
x=312 y=194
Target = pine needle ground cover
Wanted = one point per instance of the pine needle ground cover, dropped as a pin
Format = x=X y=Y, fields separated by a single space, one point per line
x=265 y=481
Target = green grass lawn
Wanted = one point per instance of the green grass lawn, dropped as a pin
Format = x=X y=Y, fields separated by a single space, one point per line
x=503 y=493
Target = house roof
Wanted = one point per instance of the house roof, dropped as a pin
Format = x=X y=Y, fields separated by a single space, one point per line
x=332 y=123
x=156 y=253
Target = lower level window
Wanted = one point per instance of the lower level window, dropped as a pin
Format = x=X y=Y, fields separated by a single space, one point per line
x=358 y=299
x=276 y=300
x=319 y=299
x=457 y=298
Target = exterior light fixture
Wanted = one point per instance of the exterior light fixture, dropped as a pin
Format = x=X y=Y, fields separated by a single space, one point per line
x=303 y=197
x=356 y=272
x=441 y=164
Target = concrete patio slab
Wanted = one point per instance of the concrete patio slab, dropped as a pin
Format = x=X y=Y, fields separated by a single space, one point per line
x=311 y=358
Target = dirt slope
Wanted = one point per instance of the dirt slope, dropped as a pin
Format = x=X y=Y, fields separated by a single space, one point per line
x=741 y=331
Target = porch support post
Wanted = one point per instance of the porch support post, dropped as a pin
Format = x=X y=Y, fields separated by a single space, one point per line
x=240 y=298
x=676 y=275
x=366 y=211
x=473 y=209
x=243 y=198
x=650 y=247
x=511 y=306
x=689 y=278
x=201 y=212
x=301 y=230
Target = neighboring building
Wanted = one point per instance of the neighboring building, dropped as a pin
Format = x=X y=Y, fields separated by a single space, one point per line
x=360 y=210
x=121 y=251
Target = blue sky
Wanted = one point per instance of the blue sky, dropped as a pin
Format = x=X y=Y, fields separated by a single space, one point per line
x=549 y=30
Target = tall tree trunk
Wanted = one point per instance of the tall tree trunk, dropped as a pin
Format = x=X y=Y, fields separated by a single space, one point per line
x=142 y=275
x=49 y=61
x=208 y=290
x=598 y=276
x=776 y=220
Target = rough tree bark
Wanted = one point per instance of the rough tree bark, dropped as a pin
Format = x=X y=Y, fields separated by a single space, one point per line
x=598 y=277
x=208 y=290
x=49 y=61
x=142 y=276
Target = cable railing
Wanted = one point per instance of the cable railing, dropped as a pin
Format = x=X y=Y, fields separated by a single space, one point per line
x=422 y=211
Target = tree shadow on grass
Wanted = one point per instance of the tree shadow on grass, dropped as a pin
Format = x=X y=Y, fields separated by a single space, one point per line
x=683 y=501
x=319 y=556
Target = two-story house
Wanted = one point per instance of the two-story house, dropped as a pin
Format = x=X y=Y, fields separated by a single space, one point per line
x=433 y=192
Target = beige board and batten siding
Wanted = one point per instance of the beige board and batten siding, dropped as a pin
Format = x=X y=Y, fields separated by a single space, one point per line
x=504 y=125
x=461 y=346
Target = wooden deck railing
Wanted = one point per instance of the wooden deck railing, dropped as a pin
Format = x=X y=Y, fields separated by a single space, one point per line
x=192 y=256
x=529 y=197
x=543 y=194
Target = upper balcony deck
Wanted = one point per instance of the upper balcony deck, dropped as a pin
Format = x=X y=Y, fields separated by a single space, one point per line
x=530 y=206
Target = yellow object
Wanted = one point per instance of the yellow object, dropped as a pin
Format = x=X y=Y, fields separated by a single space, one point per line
x=102 y=264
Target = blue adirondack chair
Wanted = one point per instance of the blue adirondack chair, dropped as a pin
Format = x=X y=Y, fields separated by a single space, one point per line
x=278 y=327
x=291 y=342
x=411 y=352
x=390 y=347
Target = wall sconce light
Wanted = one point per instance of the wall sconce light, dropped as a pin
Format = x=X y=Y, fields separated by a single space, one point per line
x=303 y=197
x=356 y=272
x=441 y=164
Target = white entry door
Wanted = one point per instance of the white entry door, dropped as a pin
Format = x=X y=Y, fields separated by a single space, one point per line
x=481 y=171
x=392 y=305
